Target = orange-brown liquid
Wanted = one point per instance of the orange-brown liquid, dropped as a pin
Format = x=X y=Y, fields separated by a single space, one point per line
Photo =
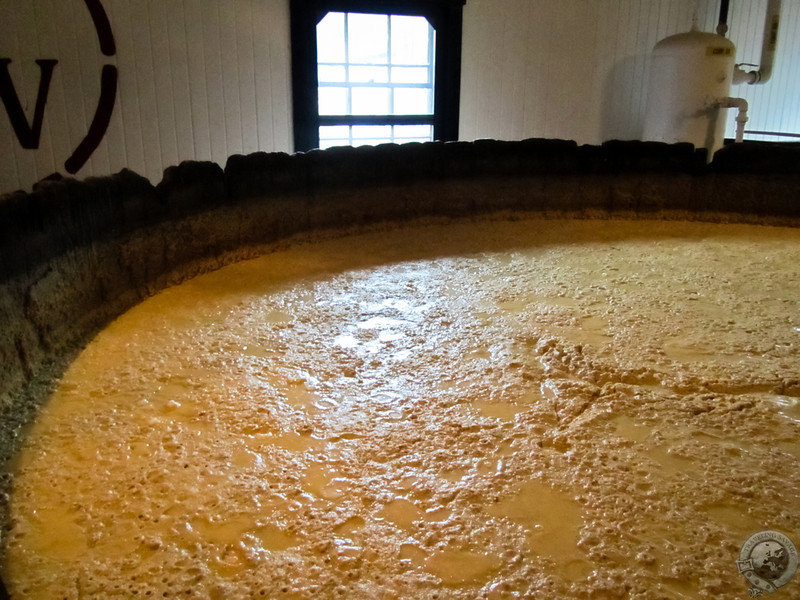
x=487 y=410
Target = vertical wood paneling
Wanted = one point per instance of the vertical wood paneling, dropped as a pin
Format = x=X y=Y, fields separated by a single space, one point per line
x=262 y=78
x=566 y=106
x=484 y=34
x=229 y=68
x=127 y=113
x=26 y=80
x=70 y=66
x=181 y=90
x=246 y=76
x=198 y=79
x=122 y=141
x=511 y=87
x=280 y=89
x=149 y=110
x=162 y=70
x=198 y=98
x=12 y=170
x=790 y=71
x=212 y=66
x=530 y=82
x=44 y=159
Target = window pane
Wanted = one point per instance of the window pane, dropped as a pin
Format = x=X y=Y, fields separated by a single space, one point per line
x=370 y=141
x=370 y=101
x=334 y=132
x=368 y=38
x=372 y=131
x=369 y=74
x=362 y=135
x=412 y=101
x=329 y=74
x=334 y=135
x=398 y=140
x=410 y=75
x=357 y=76
x=371 y=135
x=410 y=40
x=323 y=144
x=416 y=133
x=332 y=101
x=330 y=38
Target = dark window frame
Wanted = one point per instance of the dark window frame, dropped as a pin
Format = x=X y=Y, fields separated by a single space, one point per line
x=446 y=18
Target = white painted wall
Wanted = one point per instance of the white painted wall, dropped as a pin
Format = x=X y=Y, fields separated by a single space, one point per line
x=573 y=69
x=204 y=79
x=198 y=79
x=578 y=69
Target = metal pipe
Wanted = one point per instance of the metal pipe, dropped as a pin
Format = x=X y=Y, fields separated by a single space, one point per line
x=774 y=133
x=768 y=44
x=722 y=26
x=741 y=116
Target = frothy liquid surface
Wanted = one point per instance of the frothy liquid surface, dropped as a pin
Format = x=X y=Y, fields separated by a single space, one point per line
x=488 y=410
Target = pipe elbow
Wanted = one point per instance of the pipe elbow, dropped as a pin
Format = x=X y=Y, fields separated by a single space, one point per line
x=741 y=116
x=768 y=48
x=764 y=74
x=729 y=102
x=742 y=76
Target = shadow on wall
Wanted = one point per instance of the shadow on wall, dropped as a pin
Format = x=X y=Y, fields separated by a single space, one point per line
x=624 y=99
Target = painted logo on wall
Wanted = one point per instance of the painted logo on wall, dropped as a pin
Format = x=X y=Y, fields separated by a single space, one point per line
x=28 y=130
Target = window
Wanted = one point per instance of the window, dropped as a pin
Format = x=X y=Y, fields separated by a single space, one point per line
x=373 y=65
x=369 y=72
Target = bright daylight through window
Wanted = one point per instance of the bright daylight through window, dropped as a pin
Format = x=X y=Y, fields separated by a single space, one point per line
x=375 y=65
x=368 y=72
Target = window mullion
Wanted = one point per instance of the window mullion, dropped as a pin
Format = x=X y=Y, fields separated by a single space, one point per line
x=423 y=119
x=389 y=62
x=349 y=95
x=432 y=65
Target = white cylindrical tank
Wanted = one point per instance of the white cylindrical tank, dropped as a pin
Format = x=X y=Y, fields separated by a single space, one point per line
x=689 y=72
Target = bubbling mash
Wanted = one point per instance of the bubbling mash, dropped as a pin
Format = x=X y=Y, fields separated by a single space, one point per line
x=539 y=408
